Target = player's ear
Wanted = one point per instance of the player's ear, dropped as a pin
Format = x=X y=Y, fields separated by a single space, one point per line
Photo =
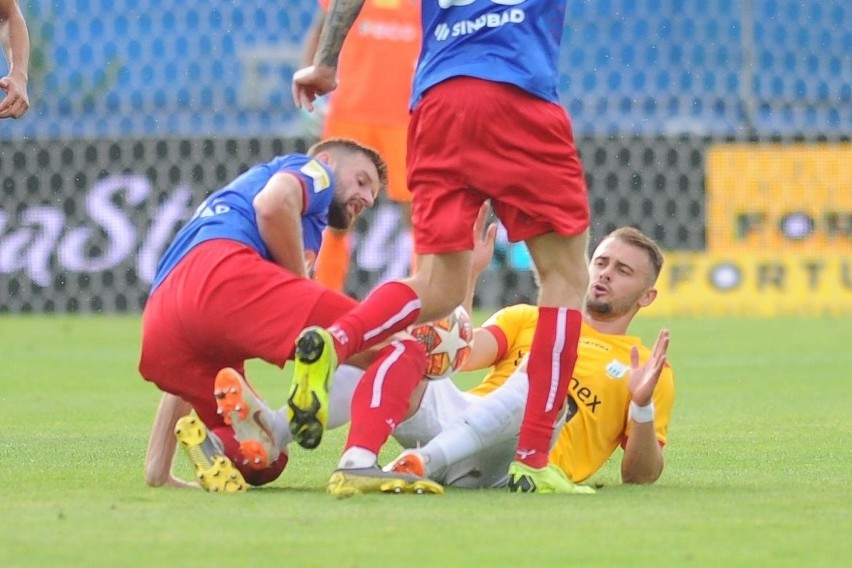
x=325 y=157
x=648 y=297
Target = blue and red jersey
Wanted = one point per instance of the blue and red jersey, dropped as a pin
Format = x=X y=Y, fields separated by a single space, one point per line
x=507 y=41
x=229 y=212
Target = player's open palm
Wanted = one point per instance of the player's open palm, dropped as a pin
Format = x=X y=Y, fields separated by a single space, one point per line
x=644 y=377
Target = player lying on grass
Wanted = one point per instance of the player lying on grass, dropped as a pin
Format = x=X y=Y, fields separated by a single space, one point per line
x=621 y=393
x=472 y=437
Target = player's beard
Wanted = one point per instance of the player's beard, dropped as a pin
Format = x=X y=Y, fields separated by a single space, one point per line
x=611 y=309
x=338 y=215
x=598 y=307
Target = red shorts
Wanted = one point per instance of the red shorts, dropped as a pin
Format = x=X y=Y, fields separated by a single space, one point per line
x=470 y=140
x=221 y=305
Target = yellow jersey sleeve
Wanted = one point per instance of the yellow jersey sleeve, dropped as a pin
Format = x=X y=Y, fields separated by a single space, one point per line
x=517 y=324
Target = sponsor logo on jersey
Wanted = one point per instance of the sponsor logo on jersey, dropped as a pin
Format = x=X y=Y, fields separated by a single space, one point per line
x=317 y=173
x=591 y=343
x=210 y=207
x=583 y=395
x=388 y=31
x=444 y=30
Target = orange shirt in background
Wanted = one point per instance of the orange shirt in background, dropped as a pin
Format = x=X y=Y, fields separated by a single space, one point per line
x=376 y=66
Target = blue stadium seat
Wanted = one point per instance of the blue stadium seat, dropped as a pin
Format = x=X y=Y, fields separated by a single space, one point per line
x=138 y=67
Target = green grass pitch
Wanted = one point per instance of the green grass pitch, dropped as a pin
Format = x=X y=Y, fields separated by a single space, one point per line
x=758 y=469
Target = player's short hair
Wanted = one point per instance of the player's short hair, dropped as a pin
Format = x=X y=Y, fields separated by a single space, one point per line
x=350 y=146
x=637 y=238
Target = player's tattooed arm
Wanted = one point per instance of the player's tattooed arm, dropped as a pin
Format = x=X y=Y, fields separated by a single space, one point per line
x=338 y=22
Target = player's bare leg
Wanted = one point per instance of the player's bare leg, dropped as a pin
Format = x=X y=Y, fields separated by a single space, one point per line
x=562 y=266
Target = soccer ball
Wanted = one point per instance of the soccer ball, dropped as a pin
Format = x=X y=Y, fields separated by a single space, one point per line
x=447 y=342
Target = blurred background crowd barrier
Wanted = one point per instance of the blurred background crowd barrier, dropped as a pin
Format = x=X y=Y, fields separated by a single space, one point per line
x=720 y=128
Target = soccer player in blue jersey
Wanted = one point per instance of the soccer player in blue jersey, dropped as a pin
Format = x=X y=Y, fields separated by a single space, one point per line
x=486 y=124
x=232 y=286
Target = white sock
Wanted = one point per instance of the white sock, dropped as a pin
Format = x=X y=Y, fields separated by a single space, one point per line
x=453 y=444
x=357 y=458
x=281 y=428
x=346 y=378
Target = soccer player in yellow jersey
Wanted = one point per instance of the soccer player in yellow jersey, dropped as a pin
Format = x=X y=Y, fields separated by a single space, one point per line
x=621 y=392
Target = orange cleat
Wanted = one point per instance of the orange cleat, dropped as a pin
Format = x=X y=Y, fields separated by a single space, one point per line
x=252 y=421
x=408 y=463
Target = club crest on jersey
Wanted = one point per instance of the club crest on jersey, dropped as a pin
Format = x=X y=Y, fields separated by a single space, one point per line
x=617 y=370
x=317 y=173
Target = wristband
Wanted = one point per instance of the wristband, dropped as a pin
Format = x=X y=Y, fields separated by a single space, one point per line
x=642 y=414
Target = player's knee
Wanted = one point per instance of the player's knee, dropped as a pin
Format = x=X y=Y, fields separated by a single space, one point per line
x=440 y=291
x=497 y=417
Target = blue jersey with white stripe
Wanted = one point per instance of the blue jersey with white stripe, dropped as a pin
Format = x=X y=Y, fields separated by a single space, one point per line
x=507 y=41
x=229 y=212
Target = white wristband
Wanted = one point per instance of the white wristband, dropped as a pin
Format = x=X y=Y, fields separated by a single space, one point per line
x=642 y=414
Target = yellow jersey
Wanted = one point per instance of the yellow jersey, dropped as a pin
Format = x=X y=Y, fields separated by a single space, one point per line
x=598 y=396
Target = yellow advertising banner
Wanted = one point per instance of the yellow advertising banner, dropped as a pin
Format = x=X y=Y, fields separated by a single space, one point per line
x=755 y=284
x=768 y=197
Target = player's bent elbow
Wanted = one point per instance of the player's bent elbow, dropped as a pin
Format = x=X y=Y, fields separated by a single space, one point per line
x=638 y=480
x=641 y=477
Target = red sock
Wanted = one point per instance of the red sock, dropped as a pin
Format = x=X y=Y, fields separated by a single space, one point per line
x=380 y=401
x=391 y=307
x=551 y=365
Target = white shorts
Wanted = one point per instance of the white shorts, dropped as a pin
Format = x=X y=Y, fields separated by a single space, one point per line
x=444 y=403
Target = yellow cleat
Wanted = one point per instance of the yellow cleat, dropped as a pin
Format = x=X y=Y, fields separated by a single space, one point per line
x=349 y=482
x=214 y=471
x=307 y=406
x=549 y=479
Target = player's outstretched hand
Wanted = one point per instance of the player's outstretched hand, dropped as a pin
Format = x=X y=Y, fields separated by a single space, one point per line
x=312 y=82
x=643 y=378
x=16 y=102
